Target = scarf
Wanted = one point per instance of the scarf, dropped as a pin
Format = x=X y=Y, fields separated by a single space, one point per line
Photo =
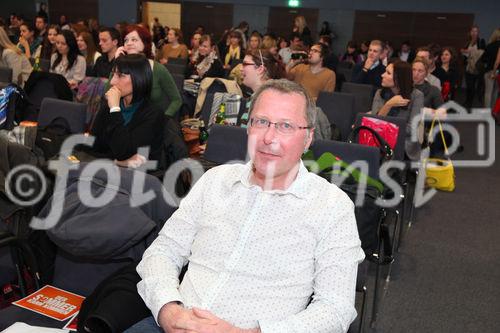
x=232 y=53
x=128 y=111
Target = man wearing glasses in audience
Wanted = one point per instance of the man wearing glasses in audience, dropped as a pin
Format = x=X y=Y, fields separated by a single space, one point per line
x=313 y=75
x=271 y=247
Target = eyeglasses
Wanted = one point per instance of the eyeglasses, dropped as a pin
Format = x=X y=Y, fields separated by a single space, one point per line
x=315 y=51
x=283 y=127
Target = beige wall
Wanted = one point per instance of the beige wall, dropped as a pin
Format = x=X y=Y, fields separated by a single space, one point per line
x=169 y=14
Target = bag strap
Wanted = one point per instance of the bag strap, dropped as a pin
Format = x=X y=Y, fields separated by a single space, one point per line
x=385 y=148
x=430 y=137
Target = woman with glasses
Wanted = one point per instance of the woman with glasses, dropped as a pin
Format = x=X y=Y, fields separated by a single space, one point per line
x=164 y=93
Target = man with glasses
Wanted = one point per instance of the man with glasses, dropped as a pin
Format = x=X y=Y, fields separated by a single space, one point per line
x=313 y=76
x=260 y=238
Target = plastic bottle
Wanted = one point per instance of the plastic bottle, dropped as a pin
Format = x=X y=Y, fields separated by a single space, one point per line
x=203 y=133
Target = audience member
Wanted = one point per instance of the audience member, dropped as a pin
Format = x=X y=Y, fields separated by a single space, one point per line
x=398 y=98
x=208 y=63
x=127 y=119
x=49 y=42
x=300 y=27
x=232 y=50
x=164 y=94
x=472 y=52
x=175 y=48
x=447 y=73
x=325 y=29
x=87 y=48
x=331 y=61
x=363 y=50
x=425 y=52
x=318 y=248
x=406 y=53
x=255 y=41
x=109 y=41
x=432 y=95
x=195 y=44
x=42 y=12
x=28 y=43
x=67 y=61
x=296 y=46
x=41 y=27
x=351 y=55
x=243 y=28
x=64 y=22
x=314 y=77
x=489 y=56
x=12 y=57
x=370 y=71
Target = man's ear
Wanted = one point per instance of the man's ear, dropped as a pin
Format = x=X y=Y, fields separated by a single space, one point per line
x=309 y=138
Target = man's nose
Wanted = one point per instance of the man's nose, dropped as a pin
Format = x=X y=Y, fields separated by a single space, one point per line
x=270 y=134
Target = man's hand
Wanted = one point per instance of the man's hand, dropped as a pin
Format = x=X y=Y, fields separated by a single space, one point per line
x=172 y=313
x=133 y=162
x=163 y=61
x=206 y=322
x=368 y=63
x=113 y=96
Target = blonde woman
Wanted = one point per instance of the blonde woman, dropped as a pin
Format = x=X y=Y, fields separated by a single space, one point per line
x=300 y=27
x=11 y=56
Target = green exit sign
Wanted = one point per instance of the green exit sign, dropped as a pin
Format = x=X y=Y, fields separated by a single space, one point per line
x=293 y=3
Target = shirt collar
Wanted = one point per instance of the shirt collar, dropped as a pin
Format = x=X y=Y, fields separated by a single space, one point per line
x=298 y=187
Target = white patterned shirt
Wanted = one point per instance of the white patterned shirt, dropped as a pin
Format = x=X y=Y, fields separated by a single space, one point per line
x=256 y=257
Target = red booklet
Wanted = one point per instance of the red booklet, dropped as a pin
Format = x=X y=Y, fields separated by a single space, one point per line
x=52 y=302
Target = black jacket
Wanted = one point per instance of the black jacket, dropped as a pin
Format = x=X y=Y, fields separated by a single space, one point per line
x=373 y=76
x=115 y=140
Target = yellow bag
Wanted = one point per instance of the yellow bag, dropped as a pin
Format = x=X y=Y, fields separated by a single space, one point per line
x=439 y=172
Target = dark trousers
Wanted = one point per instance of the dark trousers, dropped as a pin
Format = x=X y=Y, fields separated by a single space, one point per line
x=473 y=83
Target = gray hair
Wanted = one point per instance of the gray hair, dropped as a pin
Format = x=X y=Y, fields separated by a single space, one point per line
x=285 y=86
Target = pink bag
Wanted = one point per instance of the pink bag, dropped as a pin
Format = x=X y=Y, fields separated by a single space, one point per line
x=388 y=131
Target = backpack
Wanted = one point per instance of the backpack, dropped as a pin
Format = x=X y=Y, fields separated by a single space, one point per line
x=51 y=137
x=13 y=100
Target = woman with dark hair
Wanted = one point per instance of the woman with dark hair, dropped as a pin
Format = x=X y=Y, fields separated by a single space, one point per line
x=49 y=42
x=233 y=50
x=472 y=52
x=398 y=98
x=164 y=93
x=447 y=72
x=208 y=63
x=127 y=119
x=67 y=60
x=351 y=55
x=28 y=43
